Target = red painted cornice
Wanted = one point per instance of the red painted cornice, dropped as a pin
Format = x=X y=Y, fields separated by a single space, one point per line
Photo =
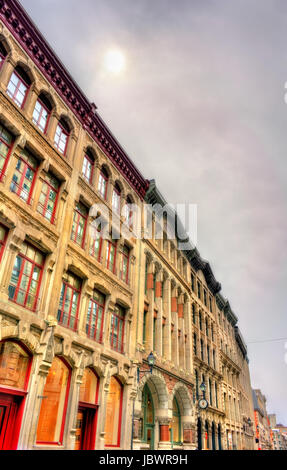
x=31 y=40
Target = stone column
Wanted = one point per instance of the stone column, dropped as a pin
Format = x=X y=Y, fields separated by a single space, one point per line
x=6 y=71
x=31 y=101
x=174 y=334
x=181 y=328
x=52 y=125
x=150 y=314
x=158 y=303
x=189 y=339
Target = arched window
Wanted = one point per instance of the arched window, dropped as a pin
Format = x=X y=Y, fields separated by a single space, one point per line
x=3 y=54
x=42 y=112
x=87 y=411
x=210 y=392
x=62 y=136
x=128 y=213
x=103 y=183
x=114 y=414
x=18 y=86
x=51 y=422
x=116 y=199
x=88 y=166
x=68 y=310
x=196 y=384
x=14 y=365
x=6 y=141
x=176 y=423
x=24 y=177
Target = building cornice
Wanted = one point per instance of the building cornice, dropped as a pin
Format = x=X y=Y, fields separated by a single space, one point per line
x=224 y=305
x=34 y=44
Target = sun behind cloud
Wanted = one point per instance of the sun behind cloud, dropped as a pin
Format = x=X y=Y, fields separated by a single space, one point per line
x=115 y=61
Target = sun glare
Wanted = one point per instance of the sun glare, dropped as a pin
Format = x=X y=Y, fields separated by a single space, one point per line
x=115 y=61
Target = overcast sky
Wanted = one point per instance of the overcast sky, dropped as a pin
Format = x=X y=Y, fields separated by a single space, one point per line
x=200 y=108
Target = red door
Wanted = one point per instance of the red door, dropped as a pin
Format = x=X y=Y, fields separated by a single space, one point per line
x=9 y=406
x=86 y=428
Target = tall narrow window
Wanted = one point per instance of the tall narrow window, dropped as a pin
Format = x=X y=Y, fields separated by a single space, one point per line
x=128 y=215
x=18 y=86
x=3 y=55
x=205 y=297
x=96 y=242
x=6 y=141
x=49 y=197
x=199 y=290
x=103 y=183
x=210 y=392
x=24 y=176
x=193 y=314
x=114 y=414
x=214 y=363
x=117 y=328
x=201 y=350
x=196 y=385
x=206 y=327
x=69 y=301
x=42 y=112
x=208 y=355
x=111 y=252
x=200 y=320
x=176 y=423
x=210 y=304
x=216 y=395
x=154 y=331
x=88 y=167
x=62 y=136
x=116 y=199
x=144 y=325
x=192 y=282
x=194 y=344
x=52 y=416
x=124 y=273
x=3 y=238
x=26 y=277
x=95 y=317
x=79 y=224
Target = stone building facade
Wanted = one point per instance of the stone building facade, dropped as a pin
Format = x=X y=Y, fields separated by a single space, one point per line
x=80 y=313
x=263 y=431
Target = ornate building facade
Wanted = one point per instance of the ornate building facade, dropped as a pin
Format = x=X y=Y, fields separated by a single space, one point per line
x=79 y=314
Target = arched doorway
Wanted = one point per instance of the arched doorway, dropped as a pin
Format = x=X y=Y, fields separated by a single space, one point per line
x=148 y=417
x=15 y=364
x=87 y=412
x=206 y=436
x=219 y=438
x=176 y=423
x=199 y=434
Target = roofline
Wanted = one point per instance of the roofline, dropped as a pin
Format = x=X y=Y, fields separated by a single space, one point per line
x=15 y=18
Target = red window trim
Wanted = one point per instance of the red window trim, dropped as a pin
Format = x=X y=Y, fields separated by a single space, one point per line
x=30 y=280
x=3 y=243
x=102 y=324
x=118 y=193
x=126 y=280
x=92 y=251
x=85 y=217
x=110 y=244
x=70 y=308
x=67 y=133
x=92 y=162
x=118 y=348
x=65 y=407
x=2 y=172
x=120 y=417
x=20 y=185
x=57 y=191
x=17 y=88
x=106 y=178
x=48 y=118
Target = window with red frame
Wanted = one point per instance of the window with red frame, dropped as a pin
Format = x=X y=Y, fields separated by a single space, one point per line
x=48 y=199
x=125 y=262
x=3 y=55
x=111 y=253
x=50 y=428
x=103 y=183
x=24 y=176
x=6 y=140
x=26 y=277
x=114 y=414
x=69 y=301
x=3 y=238
x=79 y=224
x=88 y=167
x=95 y=317
x=117 y=329
x=116 y=199
x=96 y=243
x=42 y=113
x=62 y=136
x=18 y=86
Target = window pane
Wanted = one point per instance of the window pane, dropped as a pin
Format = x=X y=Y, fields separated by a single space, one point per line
x=14 y=363
x=88 y=388
x=114 y=403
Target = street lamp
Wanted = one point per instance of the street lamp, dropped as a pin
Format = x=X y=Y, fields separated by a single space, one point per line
x=151 y=362
x=202 y=387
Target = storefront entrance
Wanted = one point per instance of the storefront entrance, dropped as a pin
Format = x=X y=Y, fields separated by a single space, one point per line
x=148 y=418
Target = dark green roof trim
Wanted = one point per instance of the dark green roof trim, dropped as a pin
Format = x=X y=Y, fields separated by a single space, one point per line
x=241 y=343
x=224 y=305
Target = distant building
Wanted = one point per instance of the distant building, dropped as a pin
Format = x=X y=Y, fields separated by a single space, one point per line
x=279 y=433
x=263 y=432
